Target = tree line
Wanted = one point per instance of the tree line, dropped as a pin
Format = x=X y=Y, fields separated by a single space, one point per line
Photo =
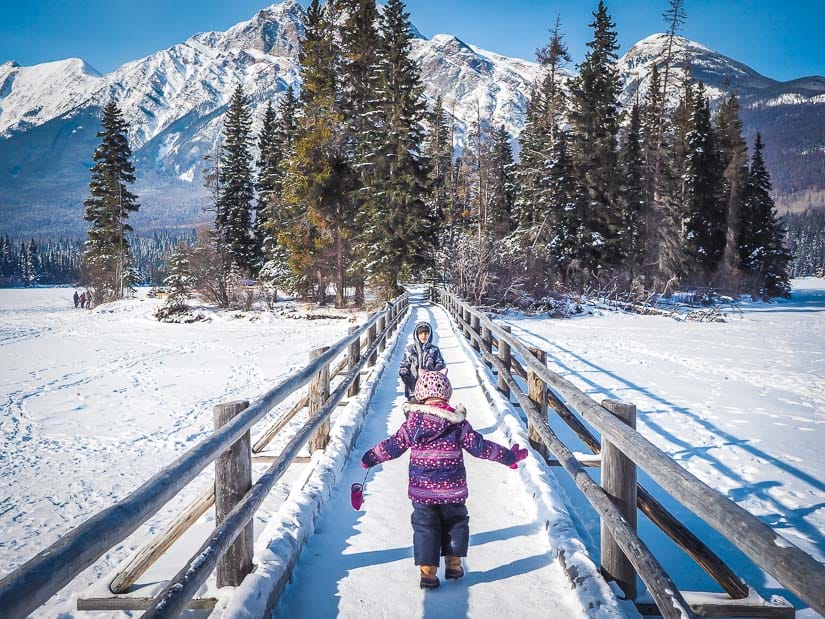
x=359 y=181
x=52 y=262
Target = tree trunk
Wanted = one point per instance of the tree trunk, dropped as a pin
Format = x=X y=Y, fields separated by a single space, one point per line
x=340 y=298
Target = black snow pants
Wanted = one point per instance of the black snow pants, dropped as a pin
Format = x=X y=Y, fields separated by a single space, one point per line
x=439 y=530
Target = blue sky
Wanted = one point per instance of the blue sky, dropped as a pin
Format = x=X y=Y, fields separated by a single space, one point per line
x=780 y=39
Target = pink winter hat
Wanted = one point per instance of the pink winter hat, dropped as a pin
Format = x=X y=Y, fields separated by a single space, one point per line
x=433 y=385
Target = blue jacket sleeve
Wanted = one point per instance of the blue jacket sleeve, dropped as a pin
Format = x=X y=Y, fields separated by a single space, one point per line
x=389 y=448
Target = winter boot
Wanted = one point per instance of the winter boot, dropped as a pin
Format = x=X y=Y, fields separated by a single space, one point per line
x=429 y=580
x=453 y=569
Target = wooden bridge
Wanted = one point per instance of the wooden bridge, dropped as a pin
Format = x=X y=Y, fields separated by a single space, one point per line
x=524 y=549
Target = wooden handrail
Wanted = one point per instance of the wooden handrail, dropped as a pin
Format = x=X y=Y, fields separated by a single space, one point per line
x=34 y=582
x=664 y=592
x=176 y=594
x=790 y=565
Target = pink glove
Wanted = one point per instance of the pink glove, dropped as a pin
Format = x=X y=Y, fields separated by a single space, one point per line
x=363 y=465
x=520 y=454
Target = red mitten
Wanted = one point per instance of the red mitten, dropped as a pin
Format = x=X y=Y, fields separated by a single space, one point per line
x=519 y=454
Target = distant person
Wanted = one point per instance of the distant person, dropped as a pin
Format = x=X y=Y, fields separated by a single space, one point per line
x=437 y=435
x=76 y=299
x=82 y=300
x=421 y=355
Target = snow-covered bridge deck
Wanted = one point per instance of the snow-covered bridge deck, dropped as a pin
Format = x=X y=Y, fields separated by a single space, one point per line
x=359 y=564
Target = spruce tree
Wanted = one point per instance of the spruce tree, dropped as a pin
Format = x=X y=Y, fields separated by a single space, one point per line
x=106 y=256
x=269 y=176
x=439 y=152
x=503 y=188
x=705 y=219
x=233 y=216
x=320 y=179
x=733 y=156
x=632 y=194
x=561 y=230
x=401 y=232
x=762 y=252
x=594 y=117
x=180 y=280
x=278 y=144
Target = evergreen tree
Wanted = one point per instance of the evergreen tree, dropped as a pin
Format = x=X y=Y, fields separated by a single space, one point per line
x=632 y=194
x=762 y=252
x=272 y=173
x=733 y=156
x=107 y=261
x=553 y=57
x=269 y=176
x=179 y=280
x=401 y=232
x=562 y=231
x=236 y=191
x=320 y=179
x=439 y=151
x=705 y=219
x=503 y=188
x=529 y=210
x=594 y=117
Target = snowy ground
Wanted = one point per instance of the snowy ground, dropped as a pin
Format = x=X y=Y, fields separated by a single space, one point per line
x=740 y=404
x=95 y=402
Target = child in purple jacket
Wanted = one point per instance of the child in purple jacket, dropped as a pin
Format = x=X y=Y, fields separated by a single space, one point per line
x=437 y=434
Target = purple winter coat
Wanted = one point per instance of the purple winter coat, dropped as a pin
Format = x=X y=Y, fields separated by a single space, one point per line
x=437 y=437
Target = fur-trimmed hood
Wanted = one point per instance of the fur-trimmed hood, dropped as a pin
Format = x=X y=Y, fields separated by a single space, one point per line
x=451 y=415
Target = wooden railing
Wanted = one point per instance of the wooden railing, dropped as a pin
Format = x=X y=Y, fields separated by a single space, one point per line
x=621 y=450
x=33 y=583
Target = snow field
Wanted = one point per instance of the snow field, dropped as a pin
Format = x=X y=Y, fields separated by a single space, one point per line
x=359 y=564
x=739 y=404
x=96 y=402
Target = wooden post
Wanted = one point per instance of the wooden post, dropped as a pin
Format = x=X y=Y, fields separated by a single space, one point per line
x=537 y=391
x=382 y=342
x=619 y=482
x=476 y=327
x=370 y=339
x=353 y=356
x=318 y=394
x=391 y=320
x=487 y=342
x=465 y=316
x=504 y=355
x=233 y=479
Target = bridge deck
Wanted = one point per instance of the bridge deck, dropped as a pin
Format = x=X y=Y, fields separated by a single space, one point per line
x=359 y=564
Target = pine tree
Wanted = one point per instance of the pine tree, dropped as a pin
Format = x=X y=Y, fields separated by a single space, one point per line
x=562 y=230
x=503 y=188
x=320 y=179
x=705 y=219
x=733 y=155
x=553 y=57
x=179 y=280
x=762 y=252
x=233 y=216
x=401 y=232
x=632 y=195
x=439 y=151
x=594 y=117
x=106 y=258
x=271 y=177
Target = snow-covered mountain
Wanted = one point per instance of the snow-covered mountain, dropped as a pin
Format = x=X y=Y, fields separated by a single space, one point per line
x=174 y=100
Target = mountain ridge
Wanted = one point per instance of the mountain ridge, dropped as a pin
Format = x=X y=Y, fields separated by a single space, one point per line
x=174 y=99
